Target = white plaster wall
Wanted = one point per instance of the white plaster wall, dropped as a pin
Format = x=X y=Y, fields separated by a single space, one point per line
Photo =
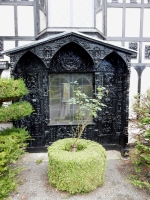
x=132 y=91
x=25 y=21
x=7 y=21
x=132 y=18
x=145 y=83
x=99 y=23
x=114 y=15
x=5 y=125
x=42 y=20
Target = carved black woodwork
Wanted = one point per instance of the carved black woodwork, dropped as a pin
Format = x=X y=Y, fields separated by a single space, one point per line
x=133 y=1
x=147 y=52
x=114 y=1
x=134 y=46
x=110 y=68
x=1 y=48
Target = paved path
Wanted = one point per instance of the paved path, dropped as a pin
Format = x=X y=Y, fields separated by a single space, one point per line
x=35 y=185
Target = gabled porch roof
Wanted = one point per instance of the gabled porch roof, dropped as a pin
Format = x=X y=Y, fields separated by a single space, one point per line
x=65 y=34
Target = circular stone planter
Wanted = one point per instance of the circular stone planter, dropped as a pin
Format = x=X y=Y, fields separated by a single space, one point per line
x=76 y=172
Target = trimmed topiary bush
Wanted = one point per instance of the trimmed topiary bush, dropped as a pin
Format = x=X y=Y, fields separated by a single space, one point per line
x=76 y=172
x=15 y=111
x=11 y=89
x=13 y=141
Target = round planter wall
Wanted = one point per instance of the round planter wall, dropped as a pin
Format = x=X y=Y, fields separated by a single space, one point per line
x=76 y=172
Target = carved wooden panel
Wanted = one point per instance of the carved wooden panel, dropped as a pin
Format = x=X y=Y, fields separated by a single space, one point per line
x=134 y=46
x=147 y=52
x=110 y=69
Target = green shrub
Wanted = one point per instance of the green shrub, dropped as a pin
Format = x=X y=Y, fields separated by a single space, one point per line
x=140 y=154
x=12 y=141
x=11 y=89
x=76 y=172
x=15 y=111
x=12 y=146
x=87 y=109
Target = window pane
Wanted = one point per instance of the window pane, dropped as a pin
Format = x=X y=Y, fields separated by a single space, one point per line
x=59 y=13
x=7 y=21
x=61 y=91
x=83 y=13
x=25 y=21
x=71 y=13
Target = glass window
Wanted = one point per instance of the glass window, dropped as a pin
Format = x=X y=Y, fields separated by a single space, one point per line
x=83 y=13
x=60 y=91
x=72 y=13
x=59 y=13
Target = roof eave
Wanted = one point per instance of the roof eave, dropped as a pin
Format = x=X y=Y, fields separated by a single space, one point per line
x=51 y=38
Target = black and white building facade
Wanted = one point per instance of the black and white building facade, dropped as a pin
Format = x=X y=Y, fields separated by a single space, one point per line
x=93 y=42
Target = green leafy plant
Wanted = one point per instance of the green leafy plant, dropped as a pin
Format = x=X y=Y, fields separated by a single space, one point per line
x=15 y=111
x=13 y=141
x=12 y=146
x=86 y=111
x=39 y=161
x=11 y=89
x=76 y=172
x=140 y=154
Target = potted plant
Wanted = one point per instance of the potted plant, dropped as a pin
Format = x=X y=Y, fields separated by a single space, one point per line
x=77 y=165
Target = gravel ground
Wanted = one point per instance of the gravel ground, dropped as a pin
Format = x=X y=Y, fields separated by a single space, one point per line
x=34 y=183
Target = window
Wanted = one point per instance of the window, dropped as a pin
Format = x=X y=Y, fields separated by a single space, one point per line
x=60 y=91
x=71 y=13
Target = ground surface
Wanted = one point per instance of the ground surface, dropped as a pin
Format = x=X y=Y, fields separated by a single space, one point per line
x=34 y=183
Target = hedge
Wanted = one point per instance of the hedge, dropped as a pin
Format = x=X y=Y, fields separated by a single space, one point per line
x=12 y=146
x=76 y=172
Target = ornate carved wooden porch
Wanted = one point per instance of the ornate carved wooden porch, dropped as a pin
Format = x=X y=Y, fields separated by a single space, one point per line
x=72 y=53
